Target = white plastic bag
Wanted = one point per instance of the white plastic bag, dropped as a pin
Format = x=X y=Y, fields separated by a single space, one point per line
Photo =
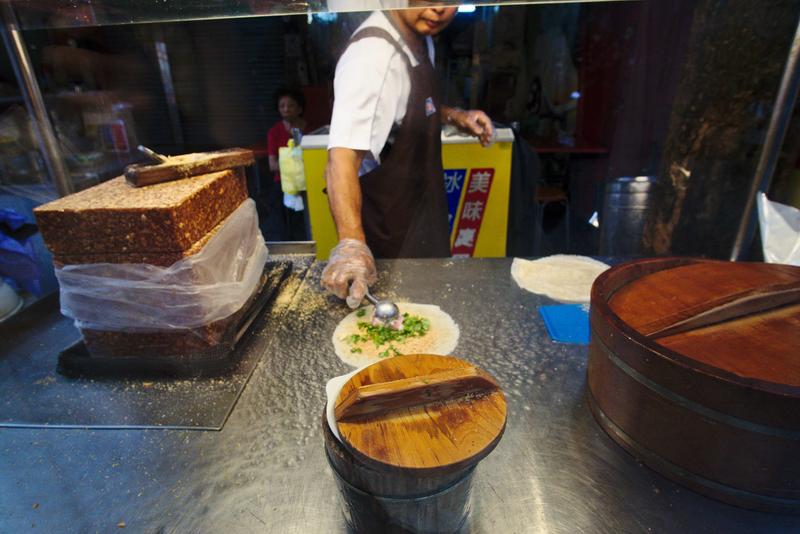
x=780 y=231
x=192 y=292
x=293 y=202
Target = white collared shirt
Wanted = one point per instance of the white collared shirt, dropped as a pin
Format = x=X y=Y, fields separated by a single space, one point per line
x=371 y=89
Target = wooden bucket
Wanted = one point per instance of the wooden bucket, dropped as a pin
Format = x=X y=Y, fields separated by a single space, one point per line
x=694 y=368
x=413 y=430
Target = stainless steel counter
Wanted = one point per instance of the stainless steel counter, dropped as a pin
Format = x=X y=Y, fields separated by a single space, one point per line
x=554 y=470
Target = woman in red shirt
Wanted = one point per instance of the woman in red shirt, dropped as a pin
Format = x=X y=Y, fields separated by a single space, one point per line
x=290 y=104
x=282 y=223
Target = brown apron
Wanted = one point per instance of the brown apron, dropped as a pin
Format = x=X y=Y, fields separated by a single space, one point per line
x=404 y=207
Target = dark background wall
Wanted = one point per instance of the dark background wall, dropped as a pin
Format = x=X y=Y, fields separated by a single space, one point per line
x=659 y=85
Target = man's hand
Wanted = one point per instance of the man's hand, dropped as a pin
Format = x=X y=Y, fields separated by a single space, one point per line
x=474 y=122
x=351 y=267
x=350 y=271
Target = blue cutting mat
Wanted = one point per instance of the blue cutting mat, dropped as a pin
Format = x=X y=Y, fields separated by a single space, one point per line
x=567 y=323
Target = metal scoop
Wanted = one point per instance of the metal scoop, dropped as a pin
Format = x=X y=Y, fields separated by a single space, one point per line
x=386 y=311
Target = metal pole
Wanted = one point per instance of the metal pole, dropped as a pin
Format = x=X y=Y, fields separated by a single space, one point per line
x=162 y=56
x=776 y=131
x=26 y=78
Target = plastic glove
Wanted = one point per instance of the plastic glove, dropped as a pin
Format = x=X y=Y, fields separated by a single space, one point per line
x=350 y=271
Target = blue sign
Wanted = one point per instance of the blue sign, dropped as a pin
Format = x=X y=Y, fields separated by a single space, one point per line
x=453 y=184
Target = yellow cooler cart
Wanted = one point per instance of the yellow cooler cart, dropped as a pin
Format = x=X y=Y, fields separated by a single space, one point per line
x=476 y=180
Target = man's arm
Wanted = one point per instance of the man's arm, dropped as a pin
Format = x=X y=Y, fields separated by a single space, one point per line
x=351 y=267
x=473 y=121
x=344 y=191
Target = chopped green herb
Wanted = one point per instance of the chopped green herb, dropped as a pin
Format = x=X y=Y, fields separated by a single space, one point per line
x=391 y=351
x=380 y=335
x=355 y=338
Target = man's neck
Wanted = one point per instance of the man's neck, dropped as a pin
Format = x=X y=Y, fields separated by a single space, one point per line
x=414 y=41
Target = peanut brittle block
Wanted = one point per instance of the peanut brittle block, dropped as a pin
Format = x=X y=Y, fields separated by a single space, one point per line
x=119 y=219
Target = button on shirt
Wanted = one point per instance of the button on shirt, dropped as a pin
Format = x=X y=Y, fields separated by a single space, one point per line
x=371 y=88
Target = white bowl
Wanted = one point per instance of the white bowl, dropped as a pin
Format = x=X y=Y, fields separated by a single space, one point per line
x=10 y=302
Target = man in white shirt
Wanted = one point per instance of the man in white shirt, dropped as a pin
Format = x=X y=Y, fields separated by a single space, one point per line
x=389 y=197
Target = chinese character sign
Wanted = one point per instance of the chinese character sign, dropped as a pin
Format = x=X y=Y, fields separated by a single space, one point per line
x=453 y=185
x=472 y=212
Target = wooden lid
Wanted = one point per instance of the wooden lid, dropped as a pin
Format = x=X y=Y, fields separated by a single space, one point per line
x=741 y=318
x=421 y=412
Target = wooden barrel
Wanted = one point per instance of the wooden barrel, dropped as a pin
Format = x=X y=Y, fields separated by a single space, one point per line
x=694 y=368
x=413 y=428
